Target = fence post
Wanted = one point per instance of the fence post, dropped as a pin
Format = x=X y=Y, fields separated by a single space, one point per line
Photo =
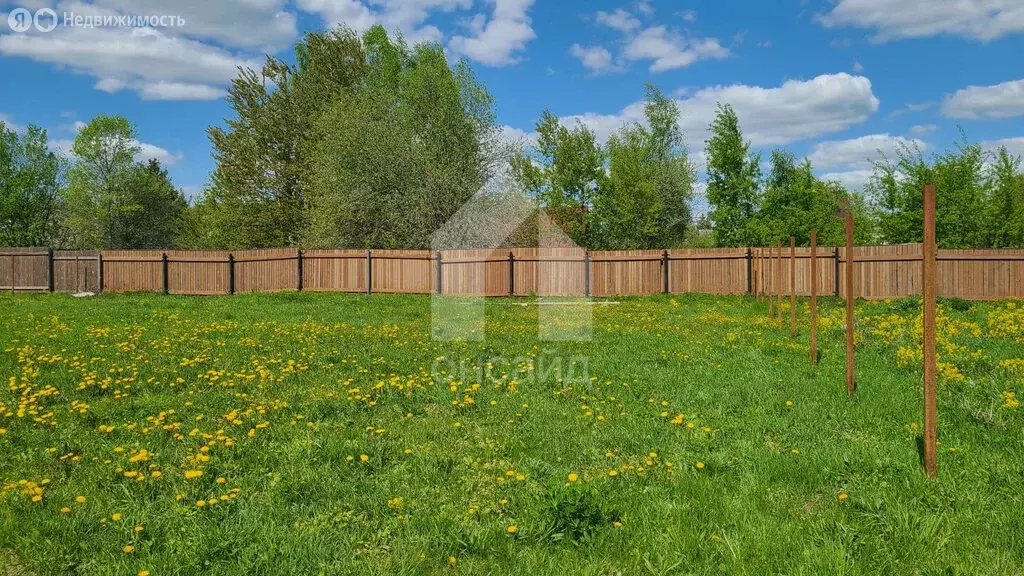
x=511 y=274
x=835 y=258
x=929 y=357
x=231 y=274
x=778 y=282
x=49 y=264
x=99 y=272
x=792 y=287
x=664 y=271
x=298 y=269
x=12 y=272
x=167 y=287
x=369 y=273
x=814 y=297
x=750 y=272
x=586 y=274
x=439 y=287
x=850 y=383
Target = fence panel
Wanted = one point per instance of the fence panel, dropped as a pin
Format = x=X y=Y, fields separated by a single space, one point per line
x=266 y=270
x=24 y=269
x=76 y=271
x=475 y=272
x=198 y=272
x=626 y=272
x=334 y=270
x=550 y=271
x=133 y=270
x=708 y=270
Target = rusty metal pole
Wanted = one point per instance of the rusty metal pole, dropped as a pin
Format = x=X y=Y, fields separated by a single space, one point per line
x=814 y=297
x=778 y=280
x=929 y=294
x=850 y=386
x=792 y=287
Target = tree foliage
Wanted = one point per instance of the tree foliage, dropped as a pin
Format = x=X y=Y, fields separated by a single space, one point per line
x=31 y=180
x=733 y=175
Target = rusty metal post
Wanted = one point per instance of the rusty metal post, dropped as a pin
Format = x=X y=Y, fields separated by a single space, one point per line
x=814 y=297
x=929 y=294
x=850 y=385
x=792 y=287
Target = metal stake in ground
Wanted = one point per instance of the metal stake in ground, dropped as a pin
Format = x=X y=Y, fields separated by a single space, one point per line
x=792 y=287
x=929 y=293
x=778 y=280
x=814 y=296
x=847 y=215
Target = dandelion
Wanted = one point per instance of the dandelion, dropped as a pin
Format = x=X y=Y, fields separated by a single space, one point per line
x=452 y=560
x=364 y=458
x=144 y=573
x=200 y=503
x=80 y=499
x=221 y=481
x=843 y=496
x=795 y=451
x=193 y=474
x=789 y=403
x=700 y=465
x=128 y=549
x=512 y=529
x=573 y=477
x=613 y=473
x=65 y=510
x=116 y=517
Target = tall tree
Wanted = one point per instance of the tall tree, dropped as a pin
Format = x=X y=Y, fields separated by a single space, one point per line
x=31 y=181
x=152 y=217
x=564 y=174
x=1005 y=217
x=391 y=162
x=646 y=201
x=733 y=175
x=97 y=195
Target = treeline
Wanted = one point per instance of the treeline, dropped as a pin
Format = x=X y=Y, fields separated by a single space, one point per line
x=366 y=142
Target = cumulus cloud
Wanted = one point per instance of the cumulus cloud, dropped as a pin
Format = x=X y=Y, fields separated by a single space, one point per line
x=406 y=16
x=860 y=153
x=922 y=129
x=894 y=19
x=670 y=50
x=853 y=180
x=1015 y=146
x=500 y=40
x=619 y=20
x=597 y=59
x=1004 y=100
x=796 y=110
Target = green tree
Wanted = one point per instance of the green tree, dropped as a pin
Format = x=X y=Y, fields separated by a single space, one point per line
x=31 y=182
x=391 y=162
x=1005 y=217
x=153 y=211
x=733 y=175
x=97 y=195
x=897 y=186
x=645 y=203
x=564 y=174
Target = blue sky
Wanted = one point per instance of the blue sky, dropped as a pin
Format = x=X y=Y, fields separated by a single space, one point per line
x=831 y=80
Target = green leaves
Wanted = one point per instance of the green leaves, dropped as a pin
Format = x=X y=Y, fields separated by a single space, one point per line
x=733 y=181
x=31 y=177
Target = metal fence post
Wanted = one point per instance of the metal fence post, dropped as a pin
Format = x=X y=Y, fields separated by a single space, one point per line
x=369 y=273
x=511 y=274
x=836 y=259
x=167 y=287
x=49 y=263
x=586 y=273
x=231 y=273
x=439 y=290
x=750 y=272
x=664 y=272
x=298 y=272
x=99 y=272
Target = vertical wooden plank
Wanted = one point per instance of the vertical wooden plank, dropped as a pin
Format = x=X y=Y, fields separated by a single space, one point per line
x=929 y=289
x=778 y=280
x=770 y=293
x=814 y=296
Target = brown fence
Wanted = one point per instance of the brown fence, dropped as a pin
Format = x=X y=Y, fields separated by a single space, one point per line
x=879 y=271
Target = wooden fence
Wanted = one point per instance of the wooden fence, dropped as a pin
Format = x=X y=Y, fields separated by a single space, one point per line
x=879 y=271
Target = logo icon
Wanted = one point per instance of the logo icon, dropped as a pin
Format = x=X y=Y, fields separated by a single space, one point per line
x=45 y=19
x=20 y=19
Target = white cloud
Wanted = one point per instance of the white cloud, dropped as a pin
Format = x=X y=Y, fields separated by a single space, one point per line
x=671 y=50
x=619 y=20
x=853 y=180
x=142 y=59
x=594 y=58
x=909 y=108
x=796 y=110
x=922 y=129
x=860 y=153
x=499 y=41
x=9 y=123
x=518 y=136
x=1004 y=100
x=858 y=67
x=180 y=91
x=406 y=16
x=894 y=19
x=1015 y=146
x=644 y=7
x=689 y=16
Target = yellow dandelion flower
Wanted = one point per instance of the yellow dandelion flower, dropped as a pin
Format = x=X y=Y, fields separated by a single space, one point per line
x=700 y=465
x=573 y=477
x=116 y=517
x=512 y=529
x=128 y=549
x=80 y=499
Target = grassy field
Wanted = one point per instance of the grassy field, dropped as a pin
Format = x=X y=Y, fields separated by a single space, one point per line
x=308 y=434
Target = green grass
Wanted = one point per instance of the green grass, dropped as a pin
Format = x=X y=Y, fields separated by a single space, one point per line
x=275 y=376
